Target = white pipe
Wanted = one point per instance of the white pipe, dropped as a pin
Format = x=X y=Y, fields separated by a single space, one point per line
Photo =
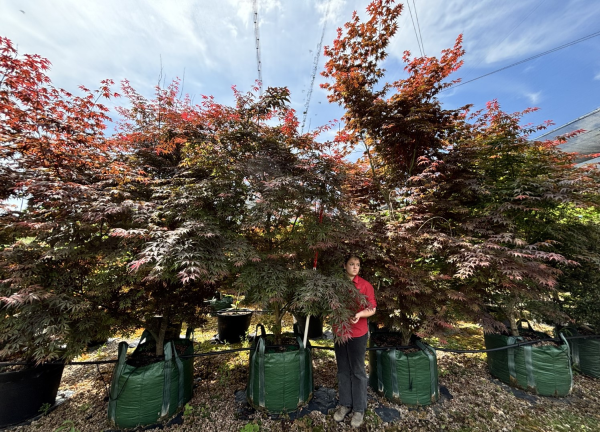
x=306 y=330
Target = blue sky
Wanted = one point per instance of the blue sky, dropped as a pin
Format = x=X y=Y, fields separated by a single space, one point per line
x=213 y=42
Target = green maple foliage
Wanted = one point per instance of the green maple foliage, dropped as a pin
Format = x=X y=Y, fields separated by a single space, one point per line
x=283 y=193
x=580 y=285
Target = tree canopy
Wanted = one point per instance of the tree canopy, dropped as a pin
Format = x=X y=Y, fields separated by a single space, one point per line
x=453 y=212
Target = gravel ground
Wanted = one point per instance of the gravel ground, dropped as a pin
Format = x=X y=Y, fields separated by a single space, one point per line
x=474 y=401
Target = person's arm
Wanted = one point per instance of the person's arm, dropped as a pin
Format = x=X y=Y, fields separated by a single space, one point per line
x=365 y=313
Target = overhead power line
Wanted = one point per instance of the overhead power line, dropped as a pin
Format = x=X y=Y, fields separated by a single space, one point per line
x=574 y=42
x=415 y=28
x=314 y=70
x=514 y=28
x=522 y=21
x=419 y=26
x=257 y=37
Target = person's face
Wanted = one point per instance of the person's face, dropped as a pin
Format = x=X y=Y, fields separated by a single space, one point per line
x=352 y=267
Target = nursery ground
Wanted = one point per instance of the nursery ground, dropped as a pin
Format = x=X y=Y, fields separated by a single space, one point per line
x=474 y=400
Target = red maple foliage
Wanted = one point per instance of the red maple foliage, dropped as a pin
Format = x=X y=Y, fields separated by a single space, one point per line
x=462 y=211
x=53 y=151
x=224 y=198
x=397 y=123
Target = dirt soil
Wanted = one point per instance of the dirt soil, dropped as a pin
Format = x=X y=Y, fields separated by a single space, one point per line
x=532 y=336
x=233 y=312
x=587 y=331
x=288 y=343
x=147 y=355
x=392 y=340
x=472 y=399
x=12 y=368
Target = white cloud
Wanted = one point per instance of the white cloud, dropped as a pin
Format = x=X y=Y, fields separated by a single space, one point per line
x=334 y=10
x=528 y=69
x=534 y=97
x=214 y=40
x=494 y=32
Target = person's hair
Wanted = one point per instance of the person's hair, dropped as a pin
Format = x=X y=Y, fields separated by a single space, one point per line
x=349 y=257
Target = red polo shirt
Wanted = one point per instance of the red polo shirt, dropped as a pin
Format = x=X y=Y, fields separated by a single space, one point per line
x=360 y=328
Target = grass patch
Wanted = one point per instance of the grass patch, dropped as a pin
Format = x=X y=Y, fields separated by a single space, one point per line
x=464 y=336
x=557 y=421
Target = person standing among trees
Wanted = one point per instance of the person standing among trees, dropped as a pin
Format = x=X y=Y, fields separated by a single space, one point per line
x=350 y=355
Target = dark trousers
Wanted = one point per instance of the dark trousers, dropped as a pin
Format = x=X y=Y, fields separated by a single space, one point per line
x=352 y=377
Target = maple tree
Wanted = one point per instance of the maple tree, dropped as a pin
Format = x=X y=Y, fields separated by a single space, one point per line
x=284 y=190
x=53 y=150
x=501 y=213
x=223 y=198
x=139 y=229
x=167 y=215
x=397 y=123
x=462 y=210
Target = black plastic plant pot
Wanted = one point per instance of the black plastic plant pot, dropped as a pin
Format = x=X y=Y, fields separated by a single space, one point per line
x=315 y=326
x=24 y=392
x=233 y=324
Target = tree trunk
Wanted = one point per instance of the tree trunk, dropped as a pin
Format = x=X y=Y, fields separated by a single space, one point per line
x=277 y=326
x=406 y=335
x=512 y=318
x=161 y=330
x=160 y=340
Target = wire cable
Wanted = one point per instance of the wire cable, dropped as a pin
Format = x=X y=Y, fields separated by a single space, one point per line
x=314 y=71
x=514 y=28
x=383 y=348
x=568 y=44
x=415 y=28
x=419 y=26
x=106 y=386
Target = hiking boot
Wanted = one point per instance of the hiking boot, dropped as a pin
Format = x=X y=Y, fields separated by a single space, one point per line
x=340 y=413
x=357 y=419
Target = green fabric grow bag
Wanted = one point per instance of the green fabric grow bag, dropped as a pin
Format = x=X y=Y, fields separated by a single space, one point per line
x=411 y=379
x=143 y=395
x=585 y=353
x=279 y=381
x=543 y=370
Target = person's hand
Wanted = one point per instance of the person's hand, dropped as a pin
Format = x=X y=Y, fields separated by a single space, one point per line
x=354 y=319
